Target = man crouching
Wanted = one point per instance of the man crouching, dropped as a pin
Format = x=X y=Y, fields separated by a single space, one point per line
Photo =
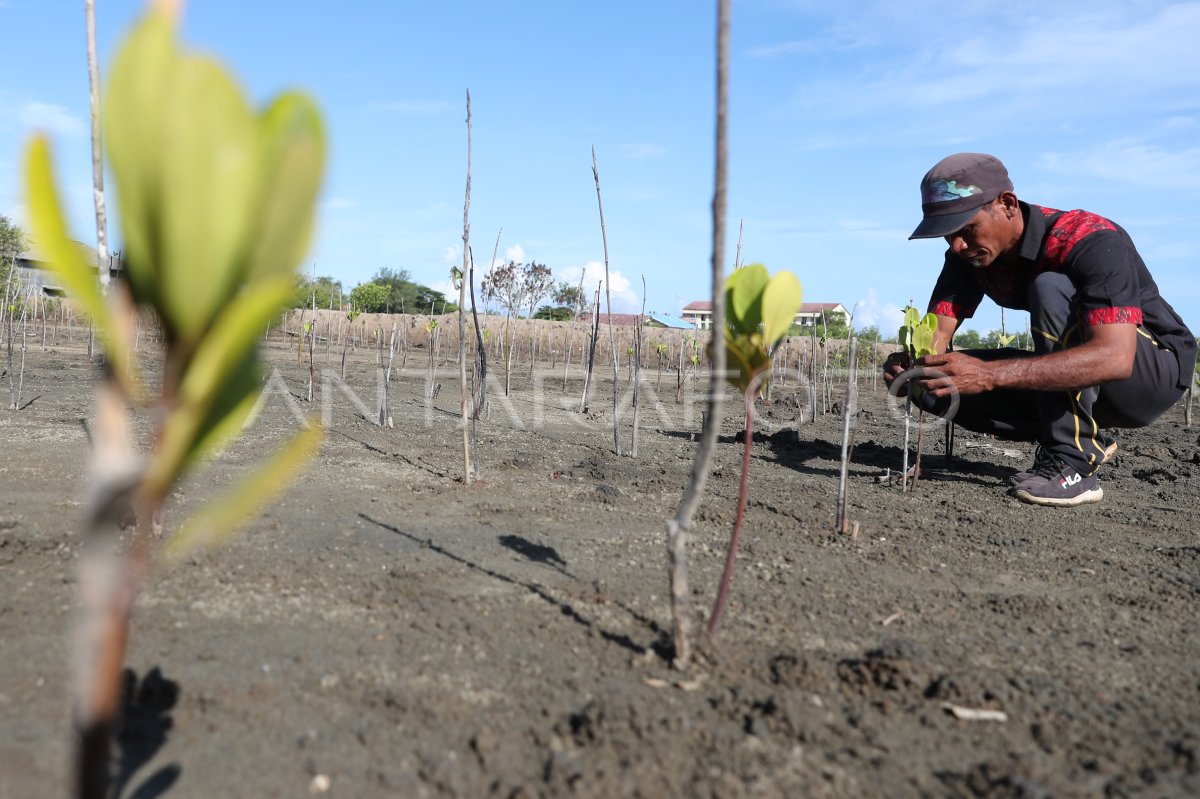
x=1108 y=350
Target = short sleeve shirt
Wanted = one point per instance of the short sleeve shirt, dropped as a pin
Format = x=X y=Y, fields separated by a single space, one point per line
x=1112 y=283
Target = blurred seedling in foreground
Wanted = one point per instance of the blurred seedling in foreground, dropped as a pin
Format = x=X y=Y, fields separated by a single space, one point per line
x=216 y=204
x=759 y=311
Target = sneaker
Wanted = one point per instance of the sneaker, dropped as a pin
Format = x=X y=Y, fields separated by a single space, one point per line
x=1058 y=484
x=1039 y=457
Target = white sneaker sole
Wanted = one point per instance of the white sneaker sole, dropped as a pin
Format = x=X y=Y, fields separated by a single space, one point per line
x=1087 y=497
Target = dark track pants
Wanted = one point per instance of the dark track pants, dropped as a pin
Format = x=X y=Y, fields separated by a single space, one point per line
x=1070 y=424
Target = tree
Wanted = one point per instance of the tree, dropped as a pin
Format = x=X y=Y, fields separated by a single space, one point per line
x=328 y=291
x=833 y=325
x=570 y=297
x=537 y=282
x=968 y=340
x=505 y=284
x=408 y=296
x=12 y=244
x=369 y=297
x=555 y=313
x=871 y=333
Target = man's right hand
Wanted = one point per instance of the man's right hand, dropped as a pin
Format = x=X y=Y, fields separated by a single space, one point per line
x=896 y=364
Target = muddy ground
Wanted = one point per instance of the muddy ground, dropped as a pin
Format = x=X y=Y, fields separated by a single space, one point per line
x=384 y=631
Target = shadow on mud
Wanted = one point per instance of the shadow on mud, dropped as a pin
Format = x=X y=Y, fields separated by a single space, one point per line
x=145 y=723
x=803 y=455
x=540 y=553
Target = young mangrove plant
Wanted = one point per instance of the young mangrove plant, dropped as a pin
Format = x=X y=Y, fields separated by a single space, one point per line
x=351 y=315
x=759 y=311
x=916 y=339
x=216 y=204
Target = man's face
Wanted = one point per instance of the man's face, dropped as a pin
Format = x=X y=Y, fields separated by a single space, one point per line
x=985 y=238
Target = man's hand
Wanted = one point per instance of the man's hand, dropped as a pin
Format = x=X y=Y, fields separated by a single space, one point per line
x=895 y=365
x=960 y=373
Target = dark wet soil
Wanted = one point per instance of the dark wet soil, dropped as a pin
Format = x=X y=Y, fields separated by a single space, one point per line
x=385 y=631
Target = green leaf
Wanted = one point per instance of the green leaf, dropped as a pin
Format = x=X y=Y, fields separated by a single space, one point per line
x=922 y=341
x=291 y=161
x=209 y=182
x=780 y=302
x=222 y=419
x=743 y=297
x=234 y=333
x=916 y=334
x=134 y=118
x=745 y=357
x=223 y=517
x=50 y=231
x=188 y=427
x=220 y=376
x=66 y=260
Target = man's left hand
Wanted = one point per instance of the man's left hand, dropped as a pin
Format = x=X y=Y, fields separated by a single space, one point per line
x=958 y=373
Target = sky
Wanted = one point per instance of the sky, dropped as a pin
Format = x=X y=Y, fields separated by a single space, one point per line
x=836 y=111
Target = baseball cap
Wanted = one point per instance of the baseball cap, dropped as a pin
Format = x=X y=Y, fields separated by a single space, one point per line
x=955 y=189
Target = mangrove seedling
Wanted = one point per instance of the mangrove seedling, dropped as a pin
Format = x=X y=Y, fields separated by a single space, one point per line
x=660 y=349
x=351 y=315
x=759 y=311
x=916 y=337
x=216 y=204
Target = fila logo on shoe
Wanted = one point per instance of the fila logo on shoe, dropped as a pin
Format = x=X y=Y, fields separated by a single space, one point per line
x=1071 y=480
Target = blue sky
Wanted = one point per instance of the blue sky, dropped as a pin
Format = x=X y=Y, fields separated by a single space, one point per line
x=837 y=109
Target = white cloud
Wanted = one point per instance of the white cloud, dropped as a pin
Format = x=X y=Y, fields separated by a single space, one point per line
x=1062 y=63
x=1131 y=162
x=51 y=118
x=887 y=316
x=452 y=254
x=514 y=253
x=18 y=214
x=625 y=298
x=447 y=288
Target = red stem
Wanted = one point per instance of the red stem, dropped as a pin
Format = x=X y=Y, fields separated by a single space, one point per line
x=714 y=618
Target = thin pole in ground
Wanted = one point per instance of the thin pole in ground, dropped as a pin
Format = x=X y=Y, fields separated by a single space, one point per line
x=637 y=374
x=463 y=399
x=678 y=526
x=843 y=522
x=612 y=343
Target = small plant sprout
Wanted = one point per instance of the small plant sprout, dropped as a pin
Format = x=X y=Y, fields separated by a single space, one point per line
x=216 y=203
x=351 y=315
x=916 y=334
x=760 y=309
x=916 y=337
x=431 y=330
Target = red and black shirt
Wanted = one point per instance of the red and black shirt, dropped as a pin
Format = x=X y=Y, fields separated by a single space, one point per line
x=1113 y=285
